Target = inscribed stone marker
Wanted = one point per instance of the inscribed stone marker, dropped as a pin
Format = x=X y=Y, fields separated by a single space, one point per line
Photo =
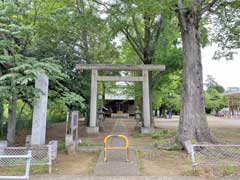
x=40 y=111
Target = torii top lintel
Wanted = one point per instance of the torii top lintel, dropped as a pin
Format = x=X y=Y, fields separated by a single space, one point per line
x=121 y=67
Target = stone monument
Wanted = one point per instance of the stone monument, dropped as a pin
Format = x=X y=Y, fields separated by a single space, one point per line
x=138 y=118
x=40 y=112
x=100 y=120
x=71 y=138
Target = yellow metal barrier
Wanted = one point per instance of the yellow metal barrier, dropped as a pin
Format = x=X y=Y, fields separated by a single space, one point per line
x=106 y=147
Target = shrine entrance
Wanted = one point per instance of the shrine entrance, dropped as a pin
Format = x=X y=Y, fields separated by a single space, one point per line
x=119 y=67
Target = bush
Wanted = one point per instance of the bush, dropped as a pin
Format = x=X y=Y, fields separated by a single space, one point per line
x=56 y=119
x=24 y=124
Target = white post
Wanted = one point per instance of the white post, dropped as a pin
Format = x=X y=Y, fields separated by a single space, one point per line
x=28 y=158
x=40 y=112
x=93 y=104
x=49 y=159
x=54 y=145
x=28 y=164
x=146 y=104
x=193 y=155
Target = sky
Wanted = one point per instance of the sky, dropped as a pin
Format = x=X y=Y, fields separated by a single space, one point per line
x=226 y=73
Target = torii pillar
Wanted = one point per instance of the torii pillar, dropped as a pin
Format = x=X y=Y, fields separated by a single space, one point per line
x=93 y=129
x=146 y=104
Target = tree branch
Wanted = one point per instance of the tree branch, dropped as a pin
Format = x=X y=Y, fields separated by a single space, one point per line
x=158 y=30
x=131 y=40
x=208 y=7
x=181 y=13
x=133 y=44
x=104 y=4
x=139 y=36
x=147 y=39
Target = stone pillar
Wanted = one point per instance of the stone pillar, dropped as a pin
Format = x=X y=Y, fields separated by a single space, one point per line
x=54 y=145
x=3 y=145
x=28 y=141
x=146 y=104
x=40 y=112
x=93 y=104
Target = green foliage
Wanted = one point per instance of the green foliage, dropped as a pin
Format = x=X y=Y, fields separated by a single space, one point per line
x=174 y=147
x=164 y=134
x=56 y=119
x=137 y=134
x=167 y=92
x=20 y=62
x=24 y=72
x=214 y=100
x=214 y=97
x=158 y=135
x=18 y=70
x=225 y=31
x=130 y=18
x=72 y=32
x=61 y=147
x=74 y=101
x=212 y=84
x=89 y=144
x=56 y=113
x=56 y=107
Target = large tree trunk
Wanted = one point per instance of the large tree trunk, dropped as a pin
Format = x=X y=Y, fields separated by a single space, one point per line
x=81 y=11
x=150 y=98
x=12 y=108
x=1 y=112
x=11 y=120
x=1 y=116
x=193 y=123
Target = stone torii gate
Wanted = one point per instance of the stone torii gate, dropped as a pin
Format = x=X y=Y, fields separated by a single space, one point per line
x=119 y=67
